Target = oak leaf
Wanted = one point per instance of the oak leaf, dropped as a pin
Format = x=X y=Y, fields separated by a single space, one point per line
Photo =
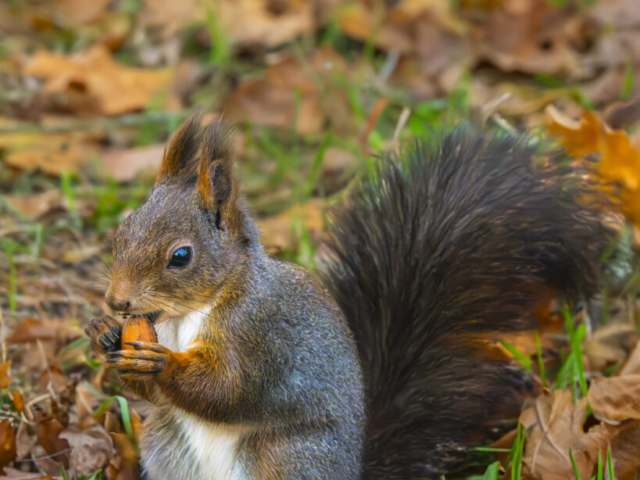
x=91 y=81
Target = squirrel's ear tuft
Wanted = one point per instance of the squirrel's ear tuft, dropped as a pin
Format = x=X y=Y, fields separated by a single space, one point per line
x=217 y=189
x=180 y=158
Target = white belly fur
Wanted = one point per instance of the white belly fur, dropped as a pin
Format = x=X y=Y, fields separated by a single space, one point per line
x=215 y=445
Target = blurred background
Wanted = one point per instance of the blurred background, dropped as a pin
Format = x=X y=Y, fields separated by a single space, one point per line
x=90 y=91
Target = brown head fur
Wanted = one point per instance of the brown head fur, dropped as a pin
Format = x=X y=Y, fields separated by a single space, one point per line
x=194 y=204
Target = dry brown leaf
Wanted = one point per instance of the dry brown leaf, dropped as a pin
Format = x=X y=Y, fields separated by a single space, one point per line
x=277 y=232
x=13 y=474
x=79 y=12
x=399 y=28
x=270 y=101
x=48 y=433
x=170 y=16
x=7 y=443
x=530 y=36
x=127 y=466
x=610 y=344
x=36 y=205
x=625 y=448
x=31 y=330
x=91 y=449
x=267 y=23
x=51 y=153
x=5 y=379
x=25 y=441
x=127 y=165
x=615 y=399
x=556 y=424
x=51 y=378
x=91 y=81
x=617 y=42
x=632 y=365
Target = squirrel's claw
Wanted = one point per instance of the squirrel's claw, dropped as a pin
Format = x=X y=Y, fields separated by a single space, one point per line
x=104 y=333
x=147 y=358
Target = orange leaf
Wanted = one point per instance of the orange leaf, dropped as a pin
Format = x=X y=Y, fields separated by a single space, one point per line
x=619 y=157
x=5 y=379
x=7 y=443
x=18 y=400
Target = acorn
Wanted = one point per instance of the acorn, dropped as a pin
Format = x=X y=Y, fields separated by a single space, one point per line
x=138 y=329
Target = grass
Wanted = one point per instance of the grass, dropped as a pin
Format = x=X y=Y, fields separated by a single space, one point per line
x=576 y=337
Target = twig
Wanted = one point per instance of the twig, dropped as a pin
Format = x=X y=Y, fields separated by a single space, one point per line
x=39 y=398
x=45 y=457
x=402 y=121
x=10 y=415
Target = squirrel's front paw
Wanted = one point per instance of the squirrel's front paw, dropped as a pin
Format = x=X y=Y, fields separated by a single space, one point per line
x=145 y=359
x=105 y=333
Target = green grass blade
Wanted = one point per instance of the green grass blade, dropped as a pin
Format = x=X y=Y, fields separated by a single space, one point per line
x=611 y=475
x=541 y=369
x=518 y=355
x=126 y=416
x=575 y=466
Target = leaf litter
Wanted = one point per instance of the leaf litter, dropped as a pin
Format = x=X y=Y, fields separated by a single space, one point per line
x=90 y=92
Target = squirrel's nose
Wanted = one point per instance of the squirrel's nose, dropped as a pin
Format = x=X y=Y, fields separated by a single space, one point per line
x=119 y=305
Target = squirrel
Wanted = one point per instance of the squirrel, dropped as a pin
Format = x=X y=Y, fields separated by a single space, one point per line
x=373 y=368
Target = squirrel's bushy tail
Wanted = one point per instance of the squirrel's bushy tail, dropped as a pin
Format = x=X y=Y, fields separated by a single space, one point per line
x=452 y=239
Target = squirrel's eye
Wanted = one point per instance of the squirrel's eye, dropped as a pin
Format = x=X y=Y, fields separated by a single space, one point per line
x=181 y=257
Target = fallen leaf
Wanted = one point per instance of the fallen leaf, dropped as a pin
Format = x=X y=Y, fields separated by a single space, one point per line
x=277 y=231
x=127 y=466
x=610 y=344
x=31 y=330
x=632 y=365
x=25 y=441
x=13 y=474
x=171 y=17
x=51 y=378
x=265 y=23
x=36 y=205
x=51 y=153
x=619 y=160
x=625 y=448
x=271 y=101
x=18 y=400
x=615 y=399
x=555 y=425
x=48 y=433
x=398 y=28
x=91 y=449
x=91 y=81
x=7 y=443
x=80 y=12
x=5 y=379
x=531 y=36
x=128 y=164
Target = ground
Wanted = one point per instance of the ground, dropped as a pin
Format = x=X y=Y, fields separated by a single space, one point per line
x=91 y=91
